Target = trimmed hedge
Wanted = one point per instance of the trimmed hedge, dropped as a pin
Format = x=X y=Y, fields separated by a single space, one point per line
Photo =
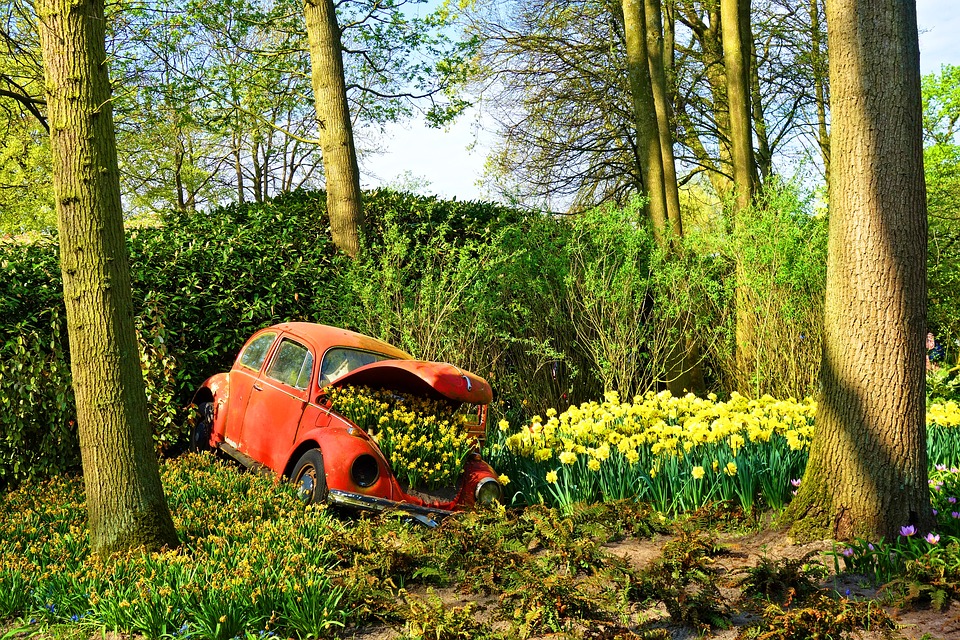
x=202 y=283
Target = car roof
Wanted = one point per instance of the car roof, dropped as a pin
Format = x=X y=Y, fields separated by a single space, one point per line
x=323 y=337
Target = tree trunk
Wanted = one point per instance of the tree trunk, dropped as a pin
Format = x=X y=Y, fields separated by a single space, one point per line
x=817 y=60
x=344 y=205
x=763 y=156
x=645 y=116
x=736 y=59
x=125 y=502
x=707 y=31
x=656 y=56
x=682 y=370
x=867 y=474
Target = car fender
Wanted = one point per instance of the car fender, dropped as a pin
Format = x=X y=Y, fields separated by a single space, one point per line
x=216 y=389
x=342 y=445
x=475 y=471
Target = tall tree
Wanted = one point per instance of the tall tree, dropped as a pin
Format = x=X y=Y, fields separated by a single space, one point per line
x=737 y=52
x=125 y=502
x=659 y=59
x=867 y=472
x=344 y=200
x=648 y=145
x=818 y=66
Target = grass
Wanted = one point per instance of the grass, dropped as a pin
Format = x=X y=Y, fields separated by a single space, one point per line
x=255 y=563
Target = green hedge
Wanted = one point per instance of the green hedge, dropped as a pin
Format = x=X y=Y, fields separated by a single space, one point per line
x=553 y=310
x=202 y=283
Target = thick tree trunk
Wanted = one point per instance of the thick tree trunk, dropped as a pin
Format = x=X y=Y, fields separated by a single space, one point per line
x=867 y=474
x=125 y=502
x=344 y=204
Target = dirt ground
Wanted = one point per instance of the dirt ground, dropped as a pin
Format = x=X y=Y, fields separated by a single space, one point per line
x=743 y=551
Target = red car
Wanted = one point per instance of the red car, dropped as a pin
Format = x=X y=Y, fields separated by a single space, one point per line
x=271 y=411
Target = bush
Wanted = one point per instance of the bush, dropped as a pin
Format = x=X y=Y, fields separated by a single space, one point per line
x=552 y=310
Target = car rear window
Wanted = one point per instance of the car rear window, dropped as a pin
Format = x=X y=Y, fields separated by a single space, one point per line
x=292 y=365
x=256 y=352
x=340 y=361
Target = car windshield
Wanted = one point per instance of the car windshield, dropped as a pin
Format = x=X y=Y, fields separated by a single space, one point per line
x=340 y=361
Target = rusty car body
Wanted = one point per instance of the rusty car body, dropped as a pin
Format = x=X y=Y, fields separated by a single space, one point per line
x=271 y=412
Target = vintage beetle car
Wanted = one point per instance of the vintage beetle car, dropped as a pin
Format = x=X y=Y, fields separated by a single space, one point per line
x=271 y=411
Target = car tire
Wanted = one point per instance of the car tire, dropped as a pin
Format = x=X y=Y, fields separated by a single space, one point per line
x=309 y=478
x=200 y=433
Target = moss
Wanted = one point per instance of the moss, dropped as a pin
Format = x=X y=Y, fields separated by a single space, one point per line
x=808 y=516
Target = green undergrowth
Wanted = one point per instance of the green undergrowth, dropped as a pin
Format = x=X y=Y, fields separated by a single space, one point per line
x=255 y=563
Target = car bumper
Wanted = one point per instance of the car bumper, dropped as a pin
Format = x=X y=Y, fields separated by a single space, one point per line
x=429 y=516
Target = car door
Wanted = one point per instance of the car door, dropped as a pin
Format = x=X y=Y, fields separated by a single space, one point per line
x=276 y=403
x=243 y=376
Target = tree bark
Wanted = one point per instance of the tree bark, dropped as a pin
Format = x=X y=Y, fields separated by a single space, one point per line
x=867 y=474
x=125 y=502
x=656 y=58
x=682 y=370
x=737 y=50
x=344 y=204
x=736 y=59
x=645 y=116
x=707 y=30
x=817 y=59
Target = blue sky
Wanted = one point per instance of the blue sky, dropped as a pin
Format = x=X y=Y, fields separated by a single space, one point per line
x=451 y=161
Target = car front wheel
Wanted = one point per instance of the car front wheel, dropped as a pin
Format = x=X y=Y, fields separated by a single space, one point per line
x=309 y=478
x=200 y=433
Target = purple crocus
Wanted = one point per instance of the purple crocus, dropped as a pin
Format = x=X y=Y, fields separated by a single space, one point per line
x=908 y=530
x=932 y=538
x=847 y=552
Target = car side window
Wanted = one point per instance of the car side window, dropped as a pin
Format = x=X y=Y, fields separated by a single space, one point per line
x=340 y=361
x=256 y=352
x=292 y=365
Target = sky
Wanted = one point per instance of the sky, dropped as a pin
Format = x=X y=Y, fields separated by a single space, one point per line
x=449 y=162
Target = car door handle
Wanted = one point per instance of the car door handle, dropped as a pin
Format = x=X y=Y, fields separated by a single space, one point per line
x=257 y=387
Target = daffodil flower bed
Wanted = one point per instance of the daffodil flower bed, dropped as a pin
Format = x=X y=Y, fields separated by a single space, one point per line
x=425 y=441
x=258 y=564
x=677 y=452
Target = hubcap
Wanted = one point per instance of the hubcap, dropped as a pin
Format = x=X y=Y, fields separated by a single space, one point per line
x=308 y=481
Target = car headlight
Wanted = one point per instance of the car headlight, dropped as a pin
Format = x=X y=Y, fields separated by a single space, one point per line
x=365 y=470
x=488 y=491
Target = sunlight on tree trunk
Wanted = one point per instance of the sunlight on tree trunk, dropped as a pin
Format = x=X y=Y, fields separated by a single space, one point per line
x=344 y=204
x=867 y=474
x=737 y=47
x=643 y=35
x=645 y=117
x=125 y=501
x=656 y=55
